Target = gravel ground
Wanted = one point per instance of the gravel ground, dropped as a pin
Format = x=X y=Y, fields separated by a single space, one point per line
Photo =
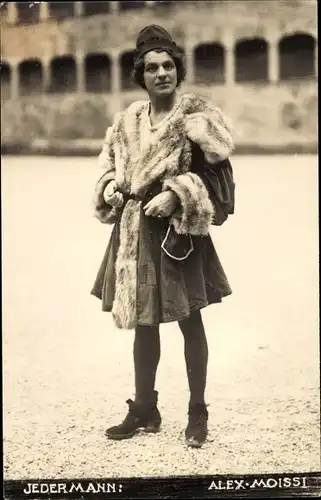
x=67 y=371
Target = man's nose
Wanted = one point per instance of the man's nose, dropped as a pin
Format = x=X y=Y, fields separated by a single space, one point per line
x=161 y=72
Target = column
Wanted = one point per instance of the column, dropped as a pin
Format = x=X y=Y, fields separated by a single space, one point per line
x=228 y=41
x=78 y=9
x=46 y=75
x=44 y=11
x=229 y=65
x=114 y=7
x=115 y=73
x=190 y=61
x=80 y=71
x=14 y=80
x=273 y=61
x=12 y=12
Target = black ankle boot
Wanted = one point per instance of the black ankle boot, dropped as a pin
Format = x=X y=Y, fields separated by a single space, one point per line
x=140 y=415
x=196 y=430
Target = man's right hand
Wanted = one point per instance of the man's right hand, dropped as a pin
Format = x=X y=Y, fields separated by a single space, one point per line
x=112 y=196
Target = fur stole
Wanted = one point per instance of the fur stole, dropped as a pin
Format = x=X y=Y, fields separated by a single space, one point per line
x=136 y=154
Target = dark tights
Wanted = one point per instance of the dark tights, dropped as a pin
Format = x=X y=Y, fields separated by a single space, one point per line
x=147 y=356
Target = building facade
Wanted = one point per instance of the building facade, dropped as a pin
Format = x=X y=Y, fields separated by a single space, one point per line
x=256 y=59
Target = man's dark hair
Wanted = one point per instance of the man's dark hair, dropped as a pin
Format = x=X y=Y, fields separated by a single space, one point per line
x=137 y=74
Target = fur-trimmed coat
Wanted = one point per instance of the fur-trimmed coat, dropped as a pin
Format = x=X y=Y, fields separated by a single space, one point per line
x=187 y=153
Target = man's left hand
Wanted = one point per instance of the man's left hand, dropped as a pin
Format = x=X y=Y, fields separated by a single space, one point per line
x=162 y=204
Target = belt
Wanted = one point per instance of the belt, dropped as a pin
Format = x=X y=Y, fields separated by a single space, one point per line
x=155 y=189
x=129 y=196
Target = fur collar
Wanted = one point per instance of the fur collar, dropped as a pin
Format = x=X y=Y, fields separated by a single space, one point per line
x=143 y=153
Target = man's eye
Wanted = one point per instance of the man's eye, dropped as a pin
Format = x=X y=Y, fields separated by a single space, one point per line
x=169 y=66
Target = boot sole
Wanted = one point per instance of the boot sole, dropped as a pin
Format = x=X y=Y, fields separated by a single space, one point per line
x=119 y=437
x=194 y=444
x=152 y=430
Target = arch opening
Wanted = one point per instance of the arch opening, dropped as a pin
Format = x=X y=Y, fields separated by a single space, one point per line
x=30 y=77
x=126 y=66
x=97 y=73
x=209 y=63
x=251 y=60
x=94 y=8
x=5 y=81
x=61 y=10
x=63 y=75
x=296 y=56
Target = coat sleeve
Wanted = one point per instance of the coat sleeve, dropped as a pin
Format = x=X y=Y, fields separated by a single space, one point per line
x=206 y=195
x=106 y=160
x=206 y=191
x=195 y=212
x=219 y=182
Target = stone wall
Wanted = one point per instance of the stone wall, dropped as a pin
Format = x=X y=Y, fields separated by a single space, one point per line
x=273 y=114
x=203 y=21
x=267 y=117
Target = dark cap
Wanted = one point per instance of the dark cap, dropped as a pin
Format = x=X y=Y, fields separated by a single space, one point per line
x=153 y=37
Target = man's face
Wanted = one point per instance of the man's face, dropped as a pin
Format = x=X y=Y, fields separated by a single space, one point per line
x=160 y=73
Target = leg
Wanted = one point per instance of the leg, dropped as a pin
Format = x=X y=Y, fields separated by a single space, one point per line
x=143 y=412
x=196 y=357
x=146 y=359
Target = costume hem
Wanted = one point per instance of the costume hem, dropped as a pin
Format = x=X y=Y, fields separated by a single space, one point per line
x=166 y=321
